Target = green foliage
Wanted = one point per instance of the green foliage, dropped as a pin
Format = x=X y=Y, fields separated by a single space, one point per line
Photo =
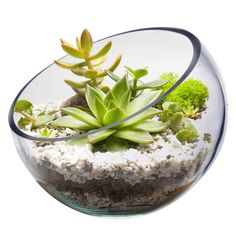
x=25 y=108
x=174 y=119
x=191 y=95
x=191 y=112
x=42 y=120
x=112 y=107
x=46 y=133
x=89 y=66
x=70 y=122
x=109 y=105
x=187 y=135
x=137 y=85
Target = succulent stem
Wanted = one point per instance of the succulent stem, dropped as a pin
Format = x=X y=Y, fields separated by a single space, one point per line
x=134 y=90
x=31 y=118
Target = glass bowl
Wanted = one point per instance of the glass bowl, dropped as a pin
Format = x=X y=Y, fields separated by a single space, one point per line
x=143 y=177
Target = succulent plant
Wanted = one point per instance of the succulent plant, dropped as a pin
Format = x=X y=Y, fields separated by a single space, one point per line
x=191 y=112
x=45 y=132
x=88 y=66
x=173 y=117
x=24 y=108
x=108 y=108
x=136 y=85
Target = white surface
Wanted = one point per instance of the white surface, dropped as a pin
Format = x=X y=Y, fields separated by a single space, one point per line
x=29 y=41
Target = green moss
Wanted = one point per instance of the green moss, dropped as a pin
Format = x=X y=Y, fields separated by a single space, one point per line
x=191 y=93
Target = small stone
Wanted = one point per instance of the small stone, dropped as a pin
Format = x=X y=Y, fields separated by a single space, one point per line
x=169 y=156
x=207 y=137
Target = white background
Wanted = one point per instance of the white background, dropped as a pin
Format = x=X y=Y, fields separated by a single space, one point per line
x=29 y=33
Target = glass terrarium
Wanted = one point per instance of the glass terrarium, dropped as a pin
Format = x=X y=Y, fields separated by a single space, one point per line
x=123 y=125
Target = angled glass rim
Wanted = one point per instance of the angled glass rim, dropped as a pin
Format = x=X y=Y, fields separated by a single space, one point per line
x=196 y=53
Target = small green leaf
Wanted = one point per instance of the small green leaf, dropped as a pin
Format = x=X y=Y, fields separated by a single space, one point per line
x=42 y=120
x=22 y=105
x=98 y=62
x=91 y=95
x=137 y=74
x=79 y=71
x=140 y=73
x=170 y=106
x=46 y=133
x=111 y=105
x=147 y=114
x=99 y=136
x=113 y=116
x=96 y=82
x=150 y=126
x=78 y=43
x=66 y=65
x=186 y=135
x=112 y=67
x=86 y=41
x=125 y=99
x=165 y=116
x=81 y=115
x=23 y=121
x=75 y=52
x=42 y=113
x=78 y=141
x=136 y=136
x=76 y=85
x=119 y=89
x=112 y=75
x=115 y=63
x=114 y=144
x=70 y=122
x=188 y=124
x=100 y=109
x=175 y=122
x=52 y=112
x=91 y=73
x=29 y=111
x=108 y=98
x=190 y=111
x=102 y=52
x=152 y=84
x=142 y=101
x=131 y=71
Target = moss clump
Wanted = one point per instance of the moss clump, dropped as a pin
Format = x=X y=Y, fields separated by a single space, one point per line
x=191 y=93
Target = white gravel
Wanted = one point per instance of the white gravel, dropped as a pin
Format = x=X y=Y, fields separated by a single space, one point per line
x=165 y=157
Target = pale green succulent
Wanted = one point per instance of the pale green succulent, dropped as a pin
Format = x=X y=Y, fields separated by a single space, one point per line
x=109 y=108
x=88 y=66
x=173 y=117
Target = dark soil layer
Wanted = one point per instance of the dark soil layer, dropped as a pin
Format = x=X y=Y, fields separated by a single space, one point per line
x=111 y=196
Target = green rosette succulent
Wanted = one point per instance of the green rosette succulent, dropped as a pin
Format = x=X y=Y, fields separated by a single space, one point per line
x=115 y=105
